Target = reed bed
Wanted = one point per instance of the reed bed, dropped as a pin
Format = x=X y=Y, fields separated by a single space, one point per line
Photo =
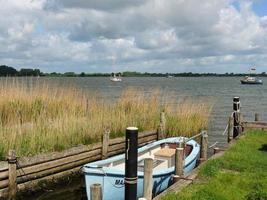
x=38 y=117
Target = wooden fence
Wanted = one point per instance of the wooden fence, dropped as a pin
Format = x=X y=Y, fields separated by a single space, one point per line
x=28 y=172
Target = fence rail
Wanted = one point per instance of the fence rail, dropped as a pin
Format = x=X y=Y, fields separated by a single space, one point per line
x=37 y=167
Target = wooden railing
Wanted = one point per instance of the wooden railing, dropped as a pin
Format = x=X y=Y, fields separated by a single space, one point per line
x=29 y=171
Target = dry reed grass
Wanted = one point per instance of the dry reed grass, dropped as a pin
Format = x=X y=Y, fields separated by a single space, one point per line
x=40 y=117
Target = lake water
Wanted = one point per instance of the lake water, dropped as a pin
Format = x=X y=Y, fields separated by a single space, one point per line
x=219 y=89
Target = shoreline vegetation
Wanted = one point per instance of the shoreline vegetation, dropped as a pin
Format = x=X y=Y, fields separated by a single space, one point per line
x=240 y=174
x=38 y=117
x=10 y=71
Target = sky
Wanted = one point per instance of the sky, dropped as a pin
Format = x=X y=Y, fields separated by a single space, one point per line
x=163 y=36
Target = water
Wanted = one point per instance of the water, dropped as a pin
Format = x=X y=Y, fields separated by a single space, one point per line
x=219 y=89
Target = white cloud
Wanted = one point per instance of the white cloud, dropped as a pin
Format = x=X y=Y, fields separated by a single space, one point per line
x=142 y=35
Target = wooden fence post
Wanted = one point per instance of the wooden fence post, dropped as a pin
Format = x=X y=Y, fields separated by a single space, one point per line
x=96 y=191
x=204 y=146
x=105 y=143
x=257 y=117
x=162 y=126
x=148 y=178
x=12 y=174
x=179 y=163
x=230 y=129
x=216 y=150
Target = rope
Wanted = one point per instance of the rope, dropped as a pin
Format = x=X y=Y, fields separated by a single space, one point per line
x=213 y=144
x=193 y=137
x=226 y=129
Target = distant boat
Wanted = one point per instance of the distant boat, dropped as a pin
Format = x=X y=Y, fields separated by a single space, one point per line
x=169 y=76
x=110 y=172
x=250 y=80
x=114 y=78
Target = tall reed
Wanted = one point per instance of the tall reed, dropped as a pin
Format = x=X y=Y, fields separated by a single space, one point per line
x=37 y=117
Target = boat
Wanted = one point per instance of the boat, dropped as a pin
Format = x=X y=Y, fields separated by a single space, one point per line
x=250 y=79
x=110 y=172
x=169 y=76
x=114 y=78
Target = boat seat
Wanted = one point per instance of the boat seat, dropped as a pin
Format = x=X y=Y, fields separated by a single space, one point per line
x=166 y=154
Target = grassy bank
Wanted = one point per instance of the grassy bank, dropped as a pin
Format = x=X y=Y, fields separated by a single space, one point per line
x=37 y=117
x=241 y=174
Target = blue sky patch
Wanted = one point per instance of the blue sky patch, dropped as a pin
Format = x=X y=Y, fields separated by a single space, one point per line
x=260 y=7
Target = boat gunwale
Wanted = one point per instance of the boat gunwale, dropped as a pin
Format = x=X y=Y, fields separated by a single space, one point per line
x=94 y=169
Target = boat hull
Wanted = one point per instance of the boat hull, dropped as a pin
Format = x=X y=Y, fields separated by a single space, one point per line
x=251 y=82
x=112 y=181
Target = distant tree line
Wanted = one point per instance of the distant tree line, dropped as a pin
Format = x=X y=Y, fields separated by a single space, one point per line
x=10 y=71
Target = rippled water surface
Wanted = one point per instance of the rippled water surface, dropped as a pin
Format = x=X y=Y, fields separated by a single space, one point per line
x=220 y=89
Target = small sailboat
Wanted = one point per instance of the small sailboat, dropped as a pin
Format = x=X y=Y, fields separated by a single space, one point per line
x=251 y=79
x=110 y=172
x=114 y=78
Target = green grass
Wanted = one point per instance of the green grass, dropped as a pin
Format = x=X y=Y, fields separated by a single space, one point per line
x=241 y=174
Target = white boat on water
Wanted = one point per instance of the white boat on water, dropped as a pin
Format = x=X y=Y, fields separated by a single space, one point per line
x=110 y=172
x=250 y=80
x=114 y=78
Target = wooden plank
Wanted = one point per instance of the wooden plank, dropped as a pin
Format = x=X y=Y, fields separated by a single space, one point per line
x=3 y=193
x=140 y=135
x=4 y=175
x=121 y=145
x=29 y=161
x=147 y=139
x=3 y=166
x=60 y=162
x=147 y=133
x=57 y=169
x=254 y=124
x=116 y=141
x=3 y=183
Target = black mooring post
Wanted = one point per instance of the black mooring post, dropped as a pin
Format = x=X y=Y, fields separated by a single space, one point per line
x=236 y=115
x=131 y=145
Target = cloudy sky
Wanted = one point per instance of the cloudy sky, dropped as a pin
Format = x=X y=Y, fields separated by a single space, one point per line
x=134 y=35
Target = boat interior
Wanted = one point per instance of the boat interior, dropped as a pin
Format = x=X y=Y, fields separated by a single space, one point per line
x=163 y=157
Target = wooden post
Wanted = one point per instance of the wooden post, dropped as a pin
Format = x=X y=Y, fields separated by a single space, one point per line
x=216 y=150
x=204 y=146
x=257 y=117
x=12 y=174
x=148 y=178
x=236 y=115
x=96 y=191
x=179 y=163
x=230 y=129
x=105 y=143
x=162 y=126
x=130 y=180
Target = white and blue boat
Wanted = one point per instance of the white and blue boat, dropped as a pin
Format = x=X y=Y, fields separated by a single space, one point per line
x=110 y=172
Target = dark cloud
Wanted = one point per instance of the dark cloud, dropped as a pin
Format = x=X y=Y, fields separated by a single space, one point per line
x=110 y=5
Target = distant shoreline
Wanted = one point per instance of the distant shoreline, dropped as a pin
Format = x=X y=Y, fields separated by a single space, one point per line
x=10 y=72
